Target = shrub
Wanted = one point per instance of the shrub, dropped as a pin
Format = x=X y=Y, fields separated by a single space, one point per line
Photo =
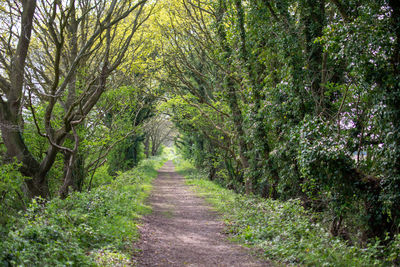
x=84 y=227
x=11 y=196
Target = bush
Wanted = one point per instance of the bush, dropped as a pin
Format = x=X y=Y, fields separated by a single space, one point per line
x=11 y=196
x=87 y=228
x=101 y=176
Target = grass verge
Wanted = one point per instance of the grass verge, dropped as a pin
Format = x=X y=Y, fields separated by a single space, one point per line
x=284 y=231
x=93 y=228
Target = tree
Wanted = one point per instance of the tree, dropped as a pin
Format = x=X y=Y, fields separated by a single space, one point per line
x=300 y=95
x=51 y=78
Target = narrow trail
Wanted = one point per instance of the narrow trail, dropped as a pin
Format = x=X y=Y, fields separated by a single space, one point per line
x=183 y=230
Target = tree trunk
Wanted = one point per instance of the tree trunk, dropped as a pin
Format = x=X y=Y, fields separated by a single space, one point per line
x=232 y=98
x=74 y=173
x=313 y=17
x=10 y=117
x=147 y=146
x=254 y=72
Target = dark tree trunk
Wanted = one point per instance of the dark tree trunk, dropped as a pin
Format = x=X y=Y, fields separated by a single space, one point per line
x=313 y=17
x=10 y=117
x=232 y=98
x=254 y=72
x=74 y=174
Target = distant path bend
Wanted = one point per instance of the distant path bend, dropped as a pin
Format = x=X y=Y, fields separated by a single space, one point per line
x=183 y=230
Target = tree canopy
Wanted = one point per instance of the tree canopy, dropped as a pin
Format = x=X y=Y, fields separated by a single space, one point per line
x=288 y=99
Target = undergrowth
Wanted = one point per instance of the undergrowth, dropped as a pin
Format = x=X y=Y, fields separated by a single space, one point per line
x=285 y=231
x=85 y=229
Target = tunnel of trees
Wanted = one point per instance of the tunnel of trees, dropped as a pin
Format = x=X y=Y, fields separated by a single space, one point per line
x=288 y=99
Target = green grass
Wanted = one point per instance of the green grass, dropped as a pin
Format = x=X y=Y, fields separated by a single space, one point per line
x=284 y=231
x=94 y=228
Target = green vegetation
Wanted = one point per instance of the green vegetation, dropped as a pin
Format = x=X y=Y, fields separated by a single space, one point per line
x=278 y=99
x=86 y=228
x=284 y=230
x=294 y=99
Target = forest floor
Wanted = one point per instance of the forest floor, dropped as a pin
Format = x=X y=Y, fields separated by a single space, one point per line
x=183 y=230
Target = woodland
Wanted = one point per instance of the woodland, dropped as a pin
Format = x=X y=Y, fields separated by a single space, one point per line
x=291 y=102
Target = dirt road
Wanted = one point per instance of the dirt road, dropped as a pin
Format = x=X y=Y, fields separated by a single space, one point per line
x=183 y=230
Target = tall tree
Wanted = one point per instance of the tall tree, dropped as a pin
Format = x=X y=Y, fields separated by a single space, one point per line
x=51 y=75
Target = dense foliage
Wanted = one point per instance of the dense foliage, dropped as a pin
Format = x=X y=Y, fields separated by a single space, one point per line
x=293 y=99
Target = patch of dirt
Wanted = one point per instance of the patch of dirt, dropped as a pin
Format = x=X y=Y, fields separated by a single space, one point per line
x=183 y=230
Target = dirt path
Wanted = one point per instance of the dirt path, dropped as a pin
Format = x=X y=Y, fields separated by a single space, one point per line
x=182 y=230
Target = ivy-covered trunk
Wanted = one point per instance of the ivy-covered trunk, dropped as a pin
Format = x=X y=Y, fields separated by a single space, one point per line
x=313 y=18
x=232 y=98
